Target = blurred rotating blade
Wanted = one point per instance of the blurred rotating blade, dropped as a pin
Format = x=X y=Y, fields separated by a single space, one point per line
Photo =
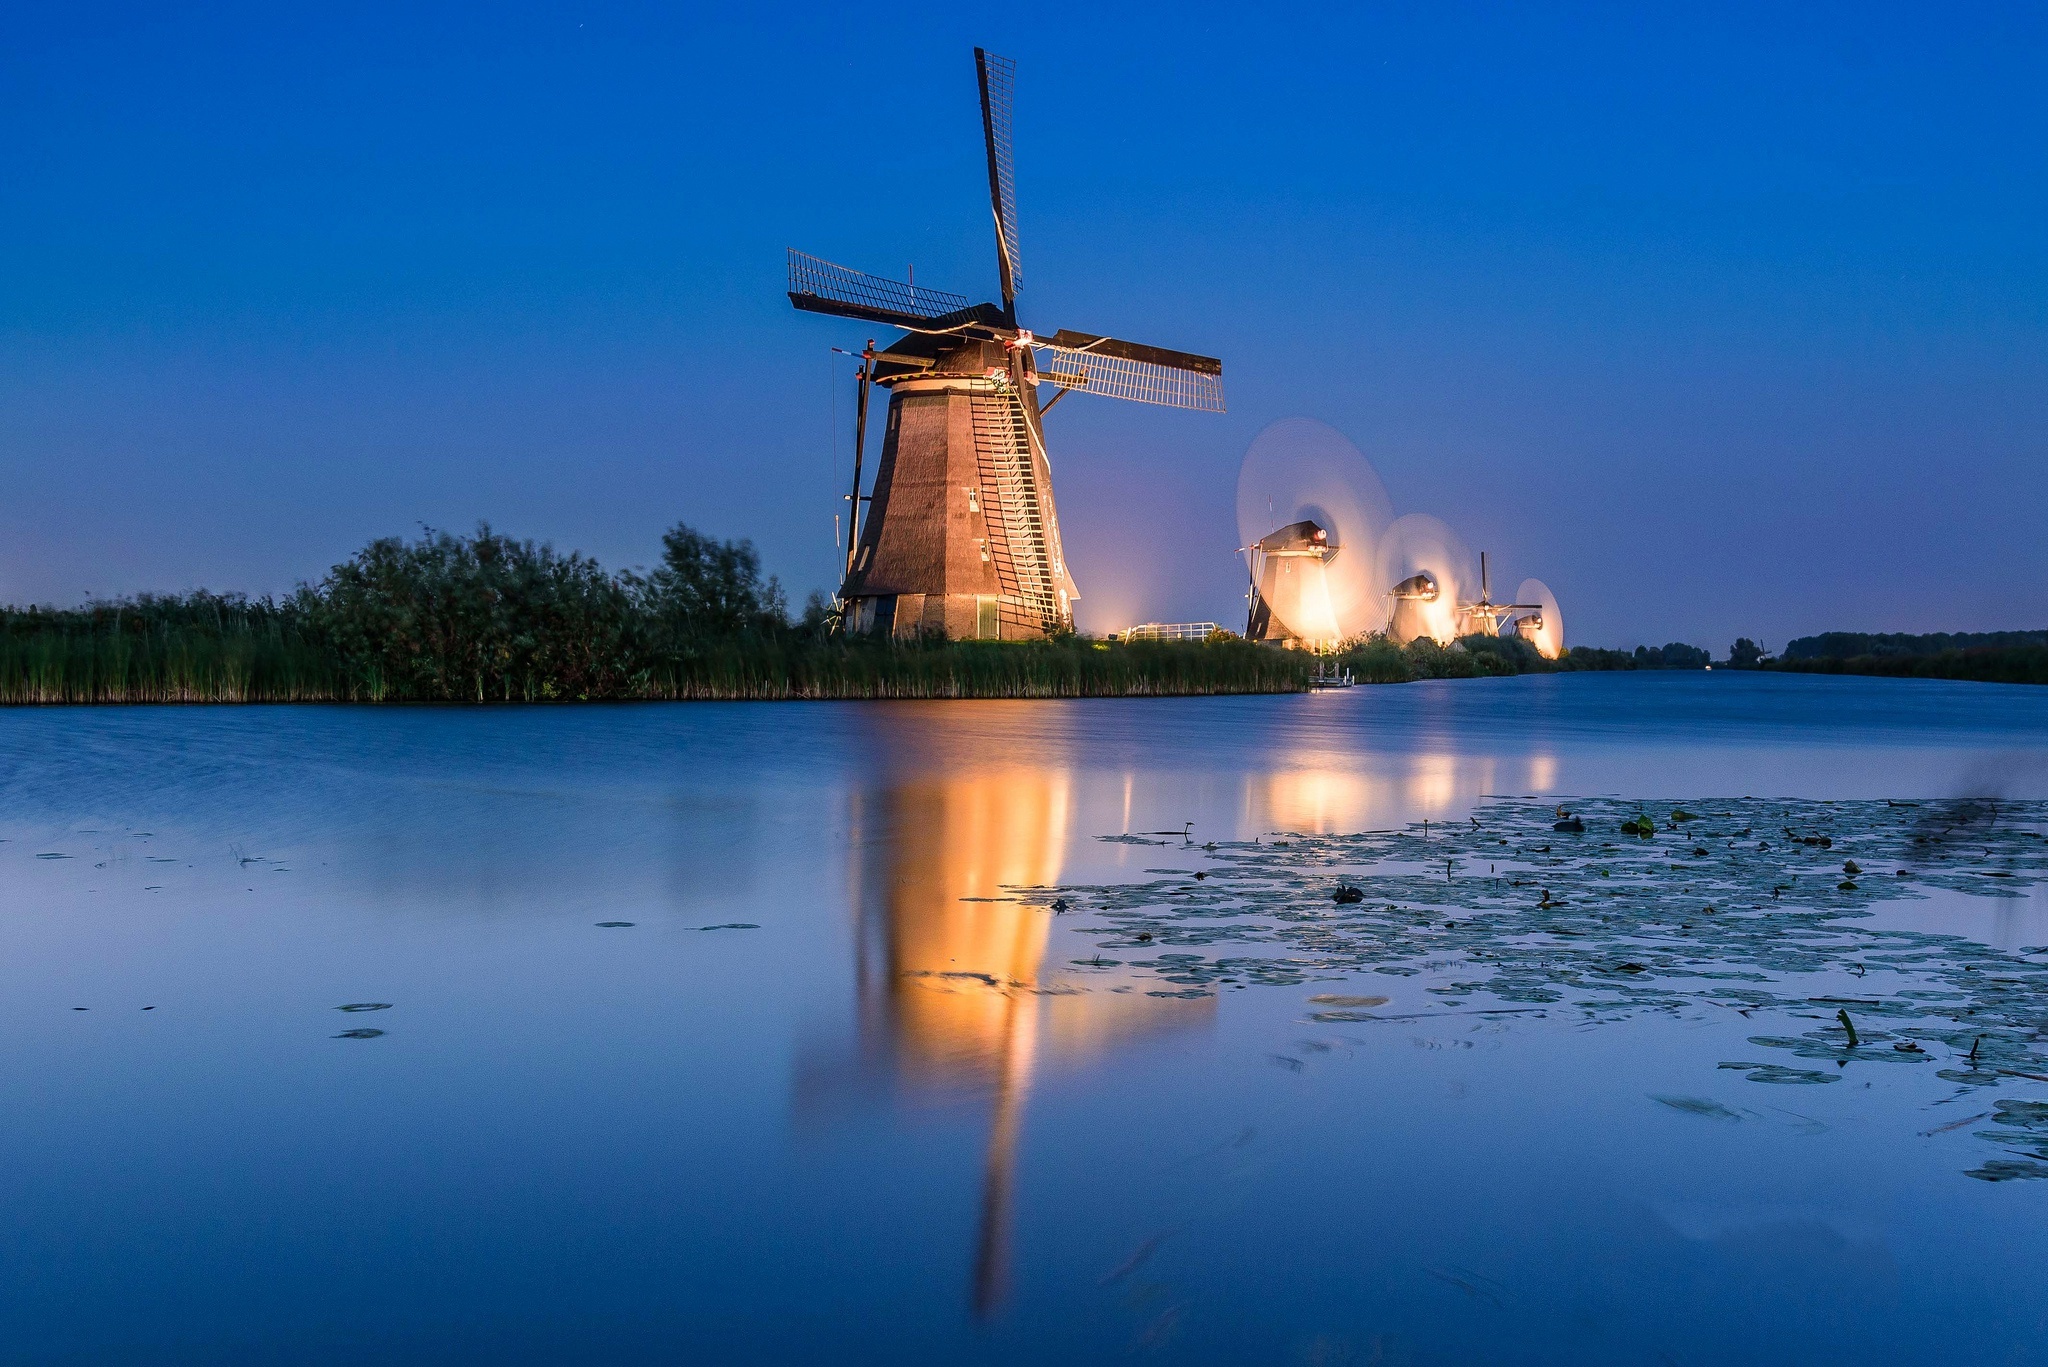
x=1548 y=638
x=1415 y=544
x=1301 y=469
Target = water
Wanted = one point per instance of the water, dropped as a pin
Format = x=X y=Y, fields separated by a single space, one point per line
x=885 y=1123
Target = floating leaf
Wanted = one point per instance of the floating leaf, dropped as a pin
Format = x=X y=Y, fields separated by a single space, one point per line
x=1696 y=1105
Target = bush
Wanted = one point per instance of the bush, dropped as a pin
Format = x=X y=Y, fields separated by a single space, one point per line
x=708 y=590
x=1676 y=655
x=1745 y=654
x=474 y=618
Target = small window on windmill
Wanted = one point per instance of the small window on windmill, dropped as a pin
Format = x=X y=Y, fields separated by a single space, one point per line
x=973 y=500
x=982 y=542
x=988 y=621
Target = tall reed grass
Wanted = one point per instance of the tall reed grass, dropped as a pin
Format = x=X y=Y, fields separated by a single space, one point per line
x=485 y=618
x=174 y=665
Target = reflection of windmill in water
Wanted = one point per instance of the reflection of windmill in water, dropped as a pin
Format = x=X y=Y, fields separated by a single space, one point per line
x=951 y=972
x=962 y=538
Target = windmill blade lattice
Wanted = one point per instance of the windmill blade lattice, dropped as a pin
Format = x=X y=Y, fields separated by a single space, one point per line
x=820 y=286
x=1119 y=377
x=998 y=76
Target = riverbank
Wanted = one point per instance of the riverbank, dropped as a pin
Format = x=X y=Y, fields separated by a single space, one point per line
x=489 y=619
x=1992 y=664
x=279 y=665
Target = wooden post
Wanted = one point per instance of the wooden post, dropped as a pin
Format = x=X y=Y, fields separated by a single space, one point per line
x=860 y=436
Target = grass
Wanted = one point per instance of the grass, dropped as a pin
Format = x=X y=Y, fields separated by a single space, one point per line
x=67 y=661
x=92 y=657
x=486 y=618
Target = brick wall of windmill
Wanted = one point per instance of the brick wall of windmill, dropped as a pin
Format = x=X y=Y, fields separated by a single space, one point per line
x=955 y=526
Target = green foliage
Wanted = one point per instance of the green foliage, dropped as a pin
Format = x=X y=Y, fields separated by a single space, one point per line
x=1745 y=654
x=707 y=590
x=2012 y=664
x=488 y=618
x=796 y=665
x=204 y=647
x=1375 y=659
x=1593 y=658
x=1856 y=645
x=1676 y=655
x=482 y=618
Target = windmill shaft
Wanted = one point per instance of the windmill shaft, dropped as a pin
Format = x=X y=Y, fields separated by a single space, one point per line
x=860 y=441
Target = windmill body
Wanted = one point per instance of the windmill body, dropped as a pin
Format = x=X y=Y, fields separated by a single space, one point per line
x=1290 y=593
x=961 y=537
x=1486 y=617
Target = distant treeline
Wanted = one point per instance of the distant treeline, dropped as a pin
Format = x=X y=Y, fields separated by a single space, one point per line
x=1378 y=660
x=1854 y=645
x=1981 y=656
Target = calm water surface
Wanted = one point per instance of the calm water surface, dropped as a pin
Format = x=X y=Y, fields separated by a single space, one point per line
x=871 y=1119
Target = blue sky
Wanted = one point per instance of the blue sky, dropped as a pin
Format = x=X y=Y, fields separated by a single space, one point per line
x=1722 y=321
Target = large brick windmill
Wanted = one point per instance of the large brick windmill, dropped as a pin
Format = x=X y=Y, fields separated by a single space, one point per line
x=961 y=538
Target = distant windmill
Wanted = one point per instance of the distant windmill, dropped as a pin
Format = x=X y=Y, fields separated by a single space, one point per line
x=1485 y=617
x=962 y=539
x=1290 y=597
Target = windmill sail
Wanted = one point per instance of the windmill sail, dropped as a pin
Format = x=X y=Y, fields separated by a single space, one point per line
x=998 y=76
x=820 y=286
x=1128 y=370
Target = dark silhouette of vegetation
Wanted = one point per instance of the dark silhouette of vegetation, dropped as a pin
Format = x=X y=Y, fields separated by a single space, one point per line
x=1375 y=659
x=708 y=590
x=473 y=618
x=1982 y=664
x=1983 y=657
x=447 y=618
x=1676 y=655
x=490 y=618
x=1854 y=645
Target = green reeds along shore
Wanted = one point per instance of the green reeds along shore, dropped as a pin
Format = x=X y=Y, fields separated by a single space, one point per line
x=54 y=665
x=485 y=618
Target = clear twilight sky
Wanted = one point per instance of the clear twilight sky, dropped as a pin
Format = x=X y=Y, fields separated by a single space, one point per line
x=1721 y=319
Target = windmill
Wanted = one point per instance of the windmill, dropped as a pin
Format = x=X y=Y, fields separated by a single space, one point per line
x=961 y=537
x=1485 y=617
x=1290 y=597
